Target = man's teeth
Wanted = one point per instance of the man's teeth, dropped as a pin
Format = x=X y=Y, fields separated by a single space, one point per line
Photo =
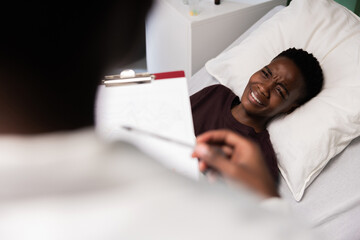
x=257 y=100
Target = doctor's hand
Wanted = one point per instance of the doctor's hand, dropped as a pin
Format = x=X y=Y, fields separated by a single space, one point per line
x=235 y=158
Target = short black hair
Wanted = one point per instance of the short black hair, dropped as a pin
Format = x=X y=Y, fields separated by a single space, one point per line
x=55 y=53
x=310 y=69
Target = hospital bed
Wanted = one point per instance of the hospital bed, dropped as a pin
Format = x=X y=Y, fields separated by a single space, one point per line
x=331 y=202
x=329 y=198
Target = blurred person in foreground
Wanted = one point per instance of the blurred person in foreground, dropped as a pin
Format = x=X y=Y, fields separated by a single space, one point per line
x=57 y=179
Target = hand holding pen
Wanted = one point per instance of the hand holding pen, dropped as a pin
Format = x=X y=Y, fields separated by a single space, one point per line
x=232 y=156
x=235 y=158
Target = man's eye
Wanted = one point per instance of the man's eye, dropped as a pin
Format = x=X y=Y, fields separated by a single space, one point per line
x=279 y=90
x=265 y=74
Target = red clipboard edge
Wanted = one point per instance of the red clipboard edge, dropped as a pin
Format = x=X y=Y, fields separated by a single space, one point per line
x=167 y=75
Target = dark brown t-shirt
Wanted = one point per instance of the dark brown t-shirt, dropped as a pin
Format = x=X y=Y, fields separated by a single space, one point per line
x=211 y=109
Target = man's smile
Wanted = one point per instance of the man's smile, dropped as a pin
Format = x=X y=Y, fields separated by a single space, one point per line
x=254 y=98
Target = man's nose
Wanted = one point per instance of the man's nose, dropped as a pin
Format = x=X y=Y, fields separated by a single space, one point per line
x=266 y=87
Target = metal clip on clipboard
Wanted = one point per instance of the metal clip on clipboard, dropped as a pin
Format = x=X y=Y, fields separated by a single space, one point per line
x=126 y=77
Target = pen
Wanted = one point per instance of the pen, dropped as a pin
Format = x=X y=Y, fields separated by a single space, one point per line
x=206 y=172
x=128 y=128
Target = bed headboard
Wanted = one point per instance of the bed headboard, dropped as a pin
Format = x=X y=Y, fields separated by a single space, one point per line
x=353 y=5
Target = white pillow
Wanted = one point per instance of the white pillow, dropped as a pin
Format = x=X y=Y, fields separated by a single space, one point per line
x=307 y=139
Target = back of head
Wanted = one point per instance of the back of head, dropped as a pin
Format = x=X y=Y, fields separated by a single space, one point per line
x=53 y=55
x=310 y=70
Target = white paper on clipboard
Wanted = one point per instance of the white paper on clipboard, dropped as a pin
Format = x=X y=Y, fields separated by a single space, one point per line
x=161 y=107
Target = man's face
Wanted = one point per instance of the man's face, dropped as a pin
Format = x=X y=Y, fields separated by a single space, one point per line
x=274 y=89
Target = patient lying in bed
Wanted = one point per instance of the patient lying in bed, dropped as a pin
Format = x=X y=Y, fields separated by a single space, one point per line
x=291 y=79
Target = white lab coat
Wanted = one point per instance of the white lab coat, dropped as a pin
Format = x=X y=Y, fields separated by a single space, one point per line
x=72 y=186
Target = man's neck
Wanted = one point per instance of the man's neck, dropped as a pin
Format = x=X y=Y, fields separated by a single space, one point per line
x=26 y=107
x=26 y=117
x=257 y=123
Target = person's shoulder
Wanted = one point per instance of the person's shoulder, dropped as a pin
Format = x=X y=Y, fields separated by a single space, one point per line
x=217 y=92
x=221 y=87
x=217 y=88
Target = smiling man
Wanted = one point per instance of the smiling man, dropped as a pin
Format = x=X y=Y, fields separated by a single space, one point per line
x=288 y=81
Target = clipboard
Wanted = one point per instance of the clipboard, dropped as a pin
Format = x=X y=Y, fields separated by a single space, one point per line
x=129 y=76
x=141 y=102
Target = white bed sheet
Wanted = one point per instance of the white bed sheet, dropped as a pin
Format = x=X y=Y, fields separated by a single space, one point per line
x=331 y=204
